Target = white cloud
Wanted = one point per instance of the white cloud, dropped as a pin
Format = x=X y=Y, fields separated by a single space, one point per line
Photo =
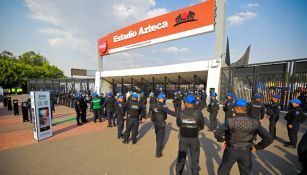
x=174 y=50
x=250 y=5
x=241 y=17
x=76 y=26
x=155 y=12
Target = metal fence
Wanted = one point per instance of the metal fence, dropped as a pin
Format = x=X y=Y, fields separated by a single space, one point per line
x=65 y=84
x=286 y=78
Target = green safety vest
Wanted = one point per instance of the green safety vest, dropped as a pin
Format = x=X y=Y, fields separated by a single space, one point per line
x=96 y=103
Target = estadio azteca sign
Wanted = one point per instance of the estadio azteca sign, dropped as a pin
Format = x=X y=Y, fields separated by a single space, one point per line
x=189 y=21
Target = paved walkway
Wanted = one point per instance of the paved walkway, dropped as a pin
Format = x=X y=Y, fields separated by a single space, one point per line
x=94 y=149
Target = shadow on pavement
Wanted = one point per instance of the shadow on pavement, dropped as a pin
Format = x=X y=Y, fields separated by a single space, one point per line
x=211 y=152
x=279 y=139
x=64 y=129
x=266 y=160
x=143 y=130
x=168 y=129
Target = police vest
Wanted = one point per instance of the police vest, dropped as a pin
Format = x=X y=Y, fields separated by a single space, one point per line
x=189 y=124
x=242 y=130
x=134 y=109
x=158 y=114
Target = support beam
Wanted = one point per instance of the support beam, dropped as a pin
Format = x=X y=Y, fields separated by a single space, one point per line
x=113 y=85
x=194 y=78
x=165 y=86
x=132 y=84
x=179 y=78
x=142 y=84
x=122 y=86
x=153 y=84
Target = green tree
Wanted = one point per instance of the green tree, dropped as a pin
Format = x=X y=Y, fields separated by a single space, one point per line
x=33 y=58
x=29 y=65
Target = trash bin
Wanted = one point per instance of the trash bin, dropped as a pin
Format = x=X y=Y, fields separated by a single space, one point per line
x=9 y=103
x=29 y=109
x=24 y=109
x=4 y=101
x=16 y=110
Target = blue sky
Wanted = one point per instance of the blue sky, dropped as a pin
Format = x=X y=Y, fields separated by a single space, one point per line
x=66 y=31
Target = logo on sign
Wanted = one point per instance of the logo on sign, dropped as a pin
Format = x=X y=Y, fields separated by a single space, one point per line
x=103 y=47
x=185 y=17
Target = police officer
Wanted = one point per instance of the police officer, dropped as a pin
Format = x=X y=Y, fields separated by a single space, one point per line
x=133 y=108
x=177 y=101
x=228 y=106
x=109 y=105
x=83 y=105
x=236 y=136
x=302 y=153
x=77 y=109
x=213 y=109
x=96 y=104
x=159 y=115
x=256 y=108
x=119 y=112
x=152 y=100
x=273 y=114
x=190 y=122
x=199 y=104
x=143 y=101
x=102 y=110
x=294 y=118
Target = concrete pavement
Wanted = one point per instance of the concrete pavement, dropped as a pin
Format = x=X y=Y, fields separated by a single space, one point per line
x=97 y=151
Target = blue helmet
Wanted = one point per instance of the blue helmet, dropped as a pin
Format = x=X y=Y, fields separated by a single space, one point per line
x=213 y=94
x=230 y=94
x=257 y=96
x=77 y=96
x=190 y=99
x=162 y=95
x=277 y=96
x=297 y=101
x=121 y=96
x=135 y=95
x=240 y=102
x=94 y=94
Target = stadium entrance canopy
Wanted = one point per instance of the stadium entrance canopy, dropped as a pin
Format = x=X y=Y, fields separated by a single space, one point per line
x=208 y=16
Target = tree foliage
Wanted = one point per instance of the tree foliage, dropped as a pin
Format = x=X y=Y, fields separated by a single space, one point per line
x=28 y=65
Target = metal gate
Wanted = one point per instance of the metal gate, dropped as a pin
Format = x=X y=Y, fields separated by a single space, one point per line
x=286 y=78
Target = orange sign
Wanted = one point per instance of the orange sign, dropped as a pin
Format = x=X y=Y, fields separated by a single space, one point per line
x=189 y=21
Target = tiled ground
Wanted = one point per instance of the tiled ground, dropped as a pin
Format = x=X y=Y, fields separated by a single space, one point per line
x=94 y=149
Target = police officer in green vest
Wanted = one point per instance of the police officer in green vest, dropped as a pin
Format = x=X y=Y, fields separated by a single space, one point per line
x=96 y=103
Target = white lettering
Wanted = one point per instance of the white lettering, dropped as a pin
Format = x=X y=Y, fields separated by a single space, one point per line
x=142 y=31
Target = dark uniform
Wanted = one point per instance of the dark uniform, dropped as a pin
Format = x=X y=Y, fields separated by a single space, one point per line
x=119 y=112
x=273 y=113
x=159 y=115
x=302 y=153
x=190 y=122
x=240 y=132
x=109 y=105
x=228 y=108
x=133 y=108
x=213 y=109
x=143 y=101
x=294 y=117
x=152 y=100
x=199 y=105
x=78 y=110
x=83 y=105
x=256 y=110
x=177 y=101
